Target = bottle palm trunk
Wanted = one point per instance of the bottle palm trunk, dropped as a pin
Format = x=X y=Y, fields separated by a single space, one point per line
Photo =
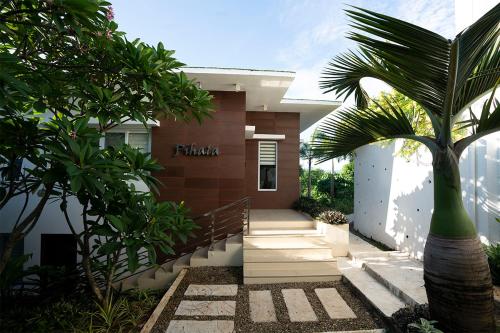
x=456 y=272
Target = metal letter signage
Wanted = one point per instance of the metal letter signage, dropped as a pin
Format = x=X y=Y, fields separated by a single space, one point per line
x=192 y=150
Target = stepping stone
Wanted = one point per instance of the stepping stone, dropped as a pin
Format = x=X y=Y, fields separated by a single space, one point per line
x=261 y=306
x=200 y=326
x=206 y=308
x=212 y=290
x=334 y=304
x=298 y=306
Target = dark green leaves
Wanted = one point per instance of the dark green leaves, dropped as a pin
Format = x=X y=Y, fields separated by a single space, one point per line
x=477 y=42
x=351 y=128
x=443 y=76
x=411 y=59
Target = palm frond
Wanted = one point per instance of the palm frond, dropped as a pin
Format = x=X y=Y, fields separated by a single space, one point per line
x=352 y=128
x=481 y=80
x=411 y=59
x=487 y=123
x=475 y=42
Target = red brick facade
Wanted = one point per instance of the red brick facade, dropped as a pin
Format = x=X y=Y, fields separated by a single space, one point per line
x=208 y=182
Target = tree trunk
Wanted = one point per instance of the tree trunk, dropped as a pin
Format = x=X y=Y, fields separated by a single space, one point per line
x=456 y=272
x=309 y=179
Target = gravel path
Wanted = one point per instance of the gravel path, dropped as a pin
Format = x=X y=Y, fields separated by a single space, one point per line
x=366 y=318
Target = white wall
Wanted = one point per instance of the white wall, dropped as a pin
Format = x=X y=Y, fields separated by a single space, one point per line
x=393 y=197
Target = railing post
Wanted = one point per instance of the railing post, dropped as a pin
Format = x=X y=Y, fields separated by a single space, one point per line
x=212 y=230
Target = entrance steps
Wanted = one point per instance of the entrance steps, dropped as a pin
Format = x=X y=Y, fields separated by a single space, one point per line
x=226 y=252
x=389 y=280
x=287 y=251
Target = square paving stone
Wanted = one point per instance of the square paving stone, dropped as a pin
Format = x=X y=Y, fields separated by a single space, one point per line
x=200 y=326
x=334 y=304
x=261 y=306
x=299 y=308
x=212 y=290
x=206 y=308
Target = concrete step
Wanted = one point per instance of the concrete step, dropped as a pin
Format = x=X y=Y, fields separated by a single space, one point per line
x=234 y=239
x=291 y=269
x=290 y=279
x=403 y=276
x=373 y=291
x=219 y=246
x=281 y=224
x=152 y=283
x=199 y=257
x=284 y=231
x=287 y=255
x=290 y=242
x=181 y=263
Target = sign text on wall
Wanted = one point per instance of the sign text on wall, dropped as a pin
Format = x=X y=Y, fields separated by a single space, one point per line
x=192 y=150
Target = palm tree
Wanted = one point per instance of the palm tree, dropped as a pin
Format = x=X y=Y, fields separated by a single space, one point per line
x=445 y=77
x=306 y=153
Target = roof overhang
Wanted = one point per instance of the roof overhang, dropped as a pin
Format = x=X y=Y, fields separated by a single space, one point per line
x=265 y=91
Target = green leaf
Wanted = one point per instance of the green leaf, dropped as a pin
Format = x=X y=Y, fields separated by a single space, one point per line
x=109 y=247
x=117 y=222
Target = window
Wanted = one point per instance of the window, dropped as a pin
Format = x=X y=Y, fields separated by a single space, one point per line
x=134 y=139
x=114 y=139
x=58 y=250
x=268 y=163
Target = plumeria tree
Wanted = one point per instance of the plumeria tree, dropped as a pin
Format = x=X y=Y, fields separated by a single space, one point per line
x=444 y=77
x=66 y=77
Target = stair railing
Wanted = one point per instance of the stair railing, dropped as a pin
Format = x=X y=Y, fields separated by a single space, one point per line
x=214 y=226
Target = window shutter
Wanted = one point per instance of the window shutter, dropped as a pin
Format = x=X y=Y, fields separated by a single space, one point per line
x=267 y=153
x=139 y=140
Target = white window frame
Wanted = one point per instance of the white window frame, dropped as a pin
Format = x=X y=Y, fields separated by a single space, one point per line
x=258 y=167
x=127 y=132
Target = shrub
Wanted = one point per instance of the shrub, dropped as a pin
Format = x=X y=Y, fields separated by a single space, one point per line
x=309 y=206
x=493 y=253
x=333 y=217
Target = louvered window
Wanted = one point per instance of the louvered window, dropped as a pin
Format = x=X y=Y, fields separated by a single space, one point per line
x=268 y=162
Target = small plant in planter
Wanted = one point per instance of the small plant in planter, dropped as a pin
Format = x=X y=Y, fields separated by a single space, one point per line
x=333 y=217
x=424 y=326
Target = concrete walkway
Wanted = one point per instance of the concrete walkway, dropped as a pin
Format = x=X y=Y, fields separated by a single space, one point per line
x=389 y=280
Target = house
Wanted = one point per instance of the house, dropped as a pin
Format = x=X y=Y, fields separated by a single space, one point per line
x=249 y=147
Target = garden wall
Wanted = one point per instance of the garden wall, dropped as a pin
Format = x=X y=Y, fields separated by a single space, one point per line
x=393 y=197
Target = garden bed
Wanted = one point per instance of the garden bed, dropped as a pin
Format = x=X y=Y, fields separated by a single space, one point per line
x=366 y=318
x=77 y=313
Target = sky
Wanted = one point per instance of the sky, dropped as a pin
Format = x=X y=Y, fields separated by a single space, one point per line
x=296 y=35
